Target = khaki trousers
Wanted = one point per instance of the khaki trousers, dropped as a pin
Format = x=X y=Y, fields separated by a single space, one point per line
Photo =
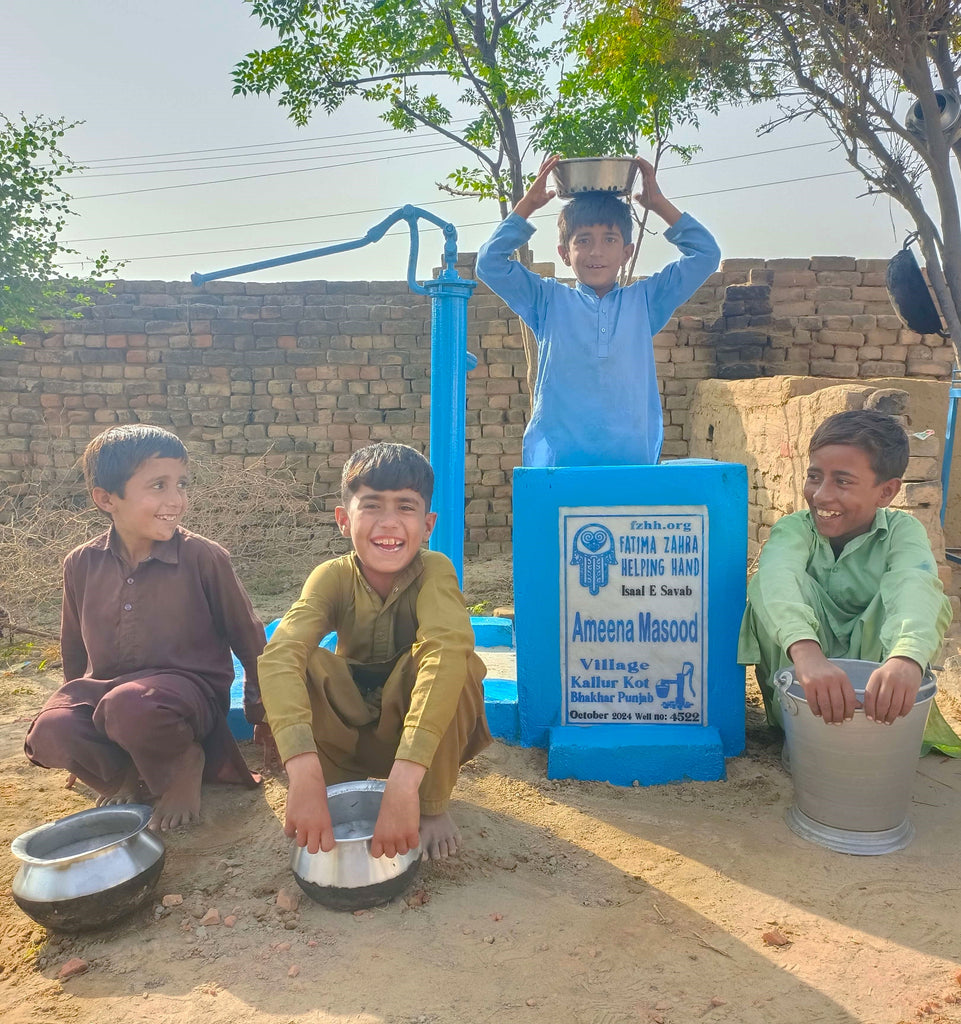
x=357 y=736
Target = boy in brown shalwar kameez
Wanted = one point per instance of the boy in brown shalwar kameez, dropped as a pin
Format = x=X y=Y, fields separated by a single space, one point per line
x=150 y=614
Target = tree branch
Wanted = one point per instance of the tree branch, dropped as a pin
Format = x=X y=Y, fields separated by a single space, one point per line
x=440 y=129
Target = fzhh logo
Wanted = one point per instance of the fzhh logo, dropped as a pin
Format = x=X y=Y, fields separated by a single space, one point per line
x=593 y=551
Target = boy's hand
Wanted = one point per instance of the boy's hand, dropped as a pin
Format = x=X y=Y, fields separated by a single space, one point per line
x=891 y=690
x=263 y=737
x=827 y=689
x=308 y=819
x=651 y=197
x=538 y=194
x=398 y=824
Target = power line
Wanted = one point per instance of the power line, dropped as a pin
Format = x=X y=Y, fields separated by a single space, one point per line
x=404 y=150
x=257 y=145
x=253 y=163
x=249 y=177
x=474 y=224
x=293 y=220
x=250 y=224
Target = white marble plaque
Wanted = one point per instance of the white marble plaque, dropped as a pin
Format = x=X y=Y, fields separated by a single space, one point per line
x=634 y=614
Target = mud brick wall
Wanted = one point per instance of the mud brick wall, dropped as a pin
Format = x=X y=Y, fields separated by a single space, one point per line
x=767 y=424
x=296 y=375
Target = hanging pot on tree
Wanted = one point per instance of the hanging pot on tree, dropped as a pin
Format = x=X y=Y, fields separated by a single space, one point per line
x=909 y=293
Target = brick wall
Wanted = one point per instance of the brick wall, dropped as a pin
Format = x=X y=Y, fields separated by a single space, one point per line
x=299 y=374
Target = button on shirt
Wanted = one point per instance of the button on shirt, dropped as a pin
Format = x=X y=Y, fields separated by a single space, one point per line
x=596 y=399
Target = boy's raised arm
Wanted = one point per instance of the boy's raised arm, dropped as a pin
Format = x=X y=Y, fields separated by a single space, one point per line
x=538 y=194
x=651 y=197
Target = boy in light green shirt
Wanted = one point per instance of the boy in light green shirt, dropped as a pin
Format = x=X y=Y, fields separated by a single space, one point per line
x=849 y=578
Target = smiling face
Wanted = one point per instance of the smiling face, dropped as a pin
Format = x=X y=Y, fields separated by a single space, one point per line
x=596 y=253
x=154 y=501
x=843 y=493
x=387 y=529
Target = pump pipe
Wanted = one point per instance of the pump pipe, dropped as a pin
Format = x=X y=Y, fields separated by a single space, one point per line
x=450 y=362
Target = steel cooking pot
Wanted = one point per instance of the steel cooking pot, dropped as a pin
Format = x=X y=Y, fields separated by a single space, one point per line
x=88 y=869
x=348 y=877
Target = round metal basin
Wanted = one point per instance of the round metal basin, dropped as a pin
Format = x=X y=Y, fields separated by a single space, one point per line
x=348 y=877
x=595 y=174
x=88 y=869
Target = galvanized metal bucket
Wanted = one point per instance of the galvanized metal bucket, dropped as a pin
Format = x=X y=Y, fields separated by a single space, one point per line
x=853 y=782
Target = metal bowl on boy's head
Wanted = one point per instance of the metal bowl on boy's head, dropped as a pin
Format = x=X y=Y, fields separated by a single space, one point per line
x=348 y=877
x=595 y=174
x=89 y=869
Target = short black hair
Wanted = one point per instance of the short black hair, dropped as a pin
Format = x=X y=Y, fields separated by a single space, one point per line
x=113 y=456
x=878 y=435
x=387 y=467
x=589 y=208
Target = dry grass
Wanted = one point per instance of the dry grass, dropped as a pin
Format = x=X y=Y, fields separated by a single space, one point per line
x=271 y=526
x=40 y=521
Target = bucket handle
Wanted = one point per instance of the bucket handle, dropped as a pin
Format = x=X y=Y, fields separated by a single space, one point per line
x=782 y=683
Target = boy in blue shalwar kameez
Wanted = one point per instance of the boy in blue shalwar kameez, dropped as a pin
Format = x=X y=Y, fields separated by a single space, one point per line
x=596 y=400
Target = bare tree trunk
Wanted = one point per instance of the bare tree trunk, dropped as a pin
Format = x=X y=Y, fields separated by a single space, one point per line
x=527 y=335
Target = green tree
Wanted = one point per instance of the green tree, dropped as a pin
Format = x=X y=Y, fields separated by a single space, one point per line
x=860 y=66
x=33 y=211
x=637 y=72
x=406 y=56
x=585 y=91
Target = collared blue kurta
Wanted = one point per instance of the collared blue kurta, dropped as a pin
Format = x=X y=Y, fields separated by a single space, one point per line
x=596 y=401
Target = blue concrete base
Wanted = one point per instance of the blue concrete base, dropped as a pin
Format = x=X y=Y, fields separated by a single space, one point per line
x=492 y=631
x=625 y=754
x=500 y=705
x=239 y=726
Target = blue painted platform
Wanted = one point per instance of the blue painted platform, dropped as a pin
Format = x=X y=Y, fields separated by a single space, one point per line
x=500 y=695
x=628 y=591
x=623 y=755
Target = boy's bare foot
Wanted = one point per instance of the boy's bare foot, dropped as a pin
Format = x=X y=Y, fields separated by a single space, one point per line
x=179 y=804
x=130 y=790
x=439 y=836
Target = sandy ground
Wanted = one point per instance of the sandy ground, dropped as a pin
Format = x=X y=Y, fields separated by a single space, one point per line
x=572 y=902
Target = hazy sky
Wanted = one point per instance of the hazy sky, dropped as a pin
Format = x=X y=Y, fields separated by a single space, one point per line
x=152 y=83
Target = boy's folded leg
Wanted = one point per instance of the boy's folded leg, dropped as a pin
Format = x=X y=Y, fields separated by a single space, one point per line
x=467 y=735
x=353 y=741
x=158 y=719
x=339 y=717
x=65 y=737
x=179 y=803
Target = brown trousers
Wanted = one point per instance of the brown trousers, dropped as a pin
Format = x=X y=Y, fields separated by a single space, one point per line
x=357 y=736
x=96 y=728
